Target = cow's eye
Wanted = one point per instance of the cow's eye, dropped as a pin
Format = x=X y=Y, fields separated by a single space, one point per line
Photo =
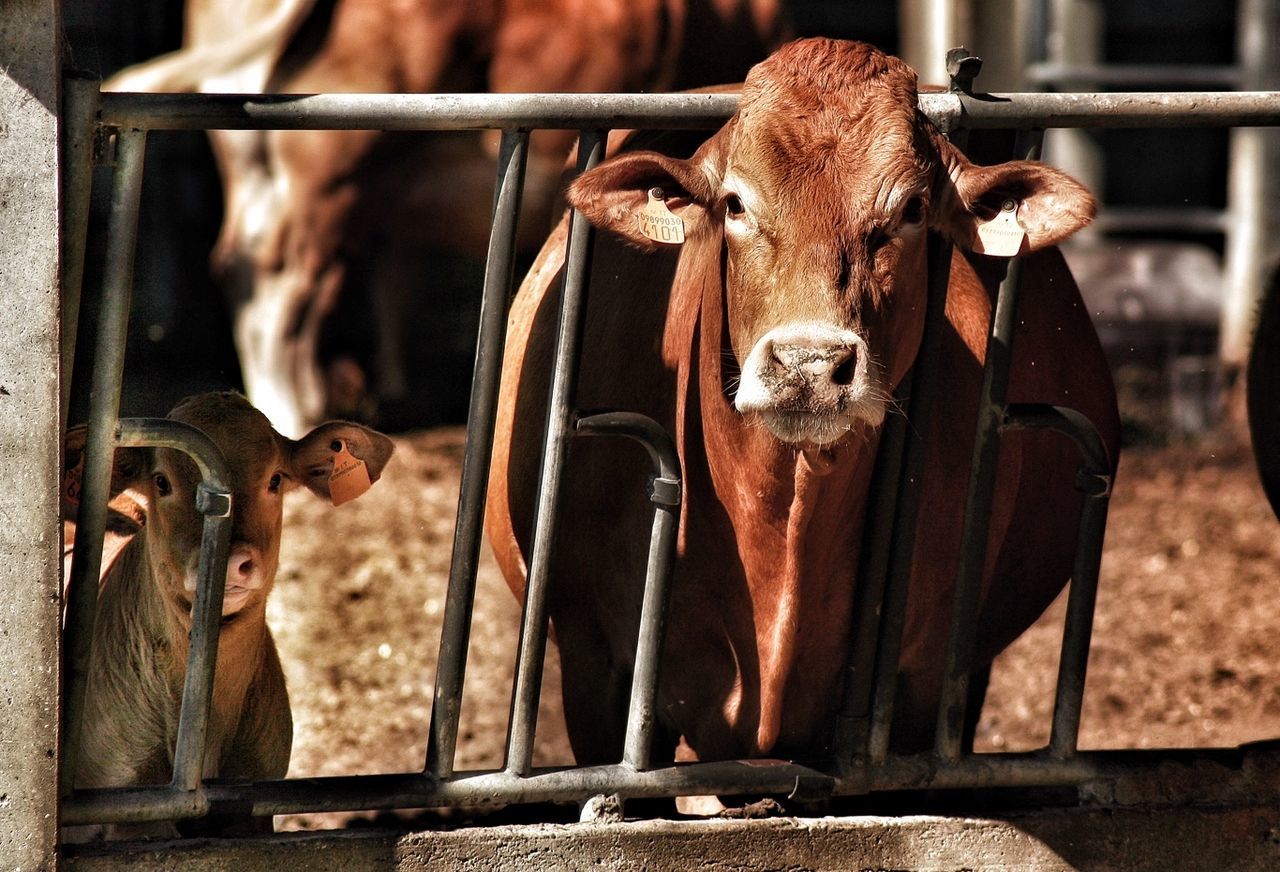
x=913 y=211
x=275 y=483
x=163 y=487
x=733 y=206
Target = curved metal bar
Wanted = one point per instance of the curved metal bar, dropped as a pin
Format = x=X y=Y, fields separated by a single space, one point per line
x=664 y=493
x=213 y=498
x=1094 y=480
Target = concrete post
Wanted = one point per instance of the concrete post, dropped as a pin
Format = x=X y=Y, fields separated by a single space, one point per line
x=30 y=544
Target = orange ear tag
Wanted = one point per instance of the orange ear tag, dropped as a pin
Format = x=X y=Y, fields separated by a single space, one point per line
x=659 y=223
x=350 y=476
x=1002 y=236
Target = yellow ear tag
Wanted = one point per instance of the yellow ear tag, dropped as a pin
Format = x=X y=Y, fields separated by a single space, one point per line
x=1002 y=236
x=659 y=223
x=350 y=476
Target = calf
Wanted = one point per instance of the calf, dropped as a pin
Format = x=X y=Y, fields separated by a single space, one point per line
x=140 y=635
x=769 y=344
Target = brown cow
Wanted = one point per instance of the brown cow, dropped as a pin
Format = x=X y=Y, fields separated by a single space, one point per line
x=139 y=650
x=769 y=345
x=307 y=212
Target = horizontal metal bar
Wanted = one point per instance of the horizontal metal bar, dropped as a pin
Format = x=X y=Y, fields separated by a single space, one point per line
x=1189 y=75
x=770 y=777
x=1150 y=218
x=415 y=111
x=582 y=111
x=131 y=805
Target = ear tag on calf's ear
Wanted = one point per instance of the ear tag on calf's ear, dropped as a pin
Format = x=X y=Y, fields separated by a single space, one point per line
x=71 y=483
x=1001 y=236
x=350 y=476
x=659 y=223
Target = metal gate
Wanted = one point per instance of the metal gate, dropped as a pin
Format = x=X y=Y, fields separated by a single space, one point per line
x=862 y=762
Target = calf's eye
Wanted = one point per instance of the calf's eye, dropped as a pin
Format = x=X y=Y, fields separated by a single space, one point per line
x=733 y=206
x=274 y=484
x=913 y=211
x=163 y=487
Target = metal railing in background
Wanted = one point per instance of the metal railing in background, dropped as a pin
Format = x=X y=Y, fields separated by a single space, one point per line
x=863 y=761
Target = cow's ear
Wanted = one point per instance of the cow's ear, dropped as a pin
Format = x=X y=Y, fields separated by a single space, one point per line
x=129 y=470
x=1048 y=205
x=339 y=451
x=615 y=194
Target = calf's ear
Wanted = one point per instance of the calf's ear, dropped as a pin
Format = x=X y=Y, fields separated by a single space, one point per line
x=339 y=450
x=1048 y=204
x=613 y=195
x=129 y=470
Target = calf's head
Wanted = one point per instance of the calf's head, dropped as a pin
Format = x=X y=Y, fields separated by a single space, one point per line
x=817 y=194
x=262 y=465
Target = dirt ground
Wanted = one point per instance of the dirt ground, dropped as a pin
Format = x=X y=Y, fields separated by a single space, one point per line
x=1184 y=652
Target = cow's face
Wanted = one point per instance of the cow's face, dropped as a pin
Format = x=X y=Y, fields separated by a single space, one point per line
x=262 y=466
x=819 y=193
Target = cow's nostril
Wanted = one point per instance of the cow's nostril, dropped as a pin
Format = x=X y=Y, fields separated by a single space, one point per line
x=245 y=567
x=846 y=369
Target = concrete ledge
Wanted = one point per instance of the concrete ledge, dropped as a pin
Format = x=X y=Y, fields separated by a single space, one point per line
x=1242 y=839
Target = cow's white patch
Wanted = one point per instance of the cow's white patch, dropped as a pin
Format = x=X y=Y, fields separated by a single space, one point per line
x=812 y=383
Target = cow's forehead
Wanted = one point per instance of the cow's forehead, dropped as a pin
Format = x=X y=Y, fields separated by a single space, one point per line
x=244 y=435
x=820 y=111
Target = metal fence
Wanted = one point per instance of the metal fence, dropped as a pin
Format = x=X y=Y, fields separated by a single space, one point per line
x=862 y=761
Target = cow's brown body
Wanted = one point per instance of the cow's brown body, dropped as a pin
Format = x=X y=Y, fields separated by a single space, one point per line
x=818 y=171
x=310 y=213
x=140 y=639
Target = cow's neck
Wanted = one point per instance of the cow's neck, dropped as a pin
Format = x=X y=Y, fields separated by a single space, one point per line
x=795 y=519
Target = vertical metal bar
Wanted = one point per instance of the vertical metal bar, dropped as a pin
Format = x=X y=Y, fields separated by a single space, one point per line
x=1073 y=663
x=80 y=98
x=910 y=485
x=104 y=411
x=482 y=411
x=853 y=729
x=533 y=629
x=978 y=501
x=664 y=493
x=206 y=620
x=952 y=708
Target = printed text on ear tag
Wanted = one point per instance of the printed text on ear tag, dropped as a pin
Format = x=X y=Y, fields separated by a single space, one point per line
x=71 y=483
x=659 y=223
x=350 y=477
x=1002 y=236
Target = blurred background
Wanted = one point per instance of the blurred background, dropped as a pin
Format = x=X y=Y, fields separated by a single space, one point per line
x=1170 y=269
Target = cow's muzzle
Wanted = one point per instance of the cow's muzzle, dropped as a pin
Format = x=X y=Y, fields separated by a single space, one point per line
x=811 y=383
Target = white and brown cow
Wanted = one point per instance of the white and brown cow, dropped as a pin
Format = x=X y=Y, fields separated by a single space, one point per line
x=769 y=344
x=310 y=213
x=140 y=635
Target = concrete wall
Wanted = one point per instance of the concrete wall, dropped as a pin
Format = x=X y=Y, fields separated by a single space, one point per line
x=29 y=433
x=1241 y=840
